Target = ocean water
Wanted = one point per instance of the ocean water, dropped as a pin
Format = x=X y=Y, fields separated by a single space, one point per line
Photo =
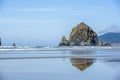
x=60 y=63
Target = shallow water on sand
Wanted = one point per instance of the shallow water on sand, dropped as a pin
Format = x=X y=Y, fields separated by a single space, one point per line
x=67 y=63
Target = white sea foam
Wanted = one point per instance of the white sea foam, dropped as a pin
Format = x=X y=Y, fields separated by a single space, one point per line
x=47 y=48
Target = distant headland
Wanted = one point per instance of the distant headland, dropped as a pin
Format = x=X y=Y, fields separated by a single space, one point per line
x=82 y=35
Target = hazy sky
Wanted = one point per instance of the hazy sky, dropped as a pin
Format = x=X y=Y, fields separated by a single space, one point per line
x=44 y=22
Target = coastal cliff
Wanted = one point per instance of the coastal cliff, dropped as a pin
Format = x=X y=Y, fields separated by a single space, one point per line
x=82 y=35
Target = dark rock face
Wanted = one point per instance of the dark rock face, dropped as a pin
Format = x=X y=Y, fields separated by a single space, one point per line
x=82 y=35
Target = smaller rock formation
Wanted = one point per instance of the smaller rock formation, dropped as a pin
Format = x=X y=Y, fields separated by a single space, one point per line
x=14 y=44
x=0 y=42
x=63 y=41
x=104 y=44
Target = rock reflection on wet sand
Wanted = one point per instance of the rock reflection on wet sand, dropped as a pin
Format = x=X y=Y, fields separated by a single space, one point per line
x=81 y=63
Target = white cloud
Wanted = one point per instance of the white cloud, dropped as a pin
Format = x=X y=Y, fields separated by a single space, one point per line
x=26 y=21
x=35 y=9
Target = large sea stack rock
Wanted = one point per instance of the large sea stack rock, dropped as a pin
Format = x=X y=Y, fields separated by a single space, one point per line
x=82 y=35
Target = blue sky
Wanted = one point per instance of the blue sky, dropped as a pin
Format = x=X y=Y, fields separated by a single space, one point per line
x=44 y=22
